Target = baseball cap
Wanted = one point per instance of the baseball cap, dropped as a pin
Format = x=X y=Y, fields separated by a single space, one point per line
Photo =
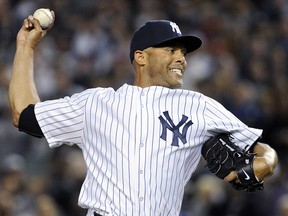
x=157 y=32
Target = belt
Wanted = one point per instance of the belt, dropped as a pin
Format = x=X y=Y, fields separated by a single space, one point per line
x=95 y=214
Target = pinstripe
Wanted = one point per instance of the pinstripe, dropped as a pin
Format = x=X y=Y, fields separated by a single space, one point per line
x=192 y=160
x=122 y=148
x=109 y=174
x=104 y=166
x=131 y=146
x=93 y=154
x=144 y=136
x=115 y=141
x=158 y=107
x=189 y=106
x=151 y=149
x=163 y=165
x=138 y=153
x=123 y=166
x=167 y=191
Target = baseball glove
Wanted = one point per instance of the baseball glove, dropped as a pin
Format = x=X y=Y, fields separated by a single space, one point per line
x=223 y=156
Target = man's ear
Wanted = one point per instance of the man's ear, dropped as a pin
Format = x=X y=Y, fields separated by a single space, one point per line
x=140 y=57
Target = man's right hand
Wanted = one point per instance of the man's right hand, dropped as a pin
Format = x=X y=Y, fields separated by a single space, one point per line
x=31 y=32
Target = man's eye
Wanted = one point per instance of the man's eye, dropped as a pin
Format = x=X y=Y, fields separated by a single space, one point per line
x=170 y=50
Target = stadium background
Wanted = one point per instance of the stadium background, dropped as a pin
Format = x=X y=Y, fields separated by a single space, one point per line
x=242 y=64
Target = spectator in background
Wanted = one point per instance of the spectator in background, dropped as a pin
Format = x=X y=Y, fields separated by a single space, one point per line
x=240 y=25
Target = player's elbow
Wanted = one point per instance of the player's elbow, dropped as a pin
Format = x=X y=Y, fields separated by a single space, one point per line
x=16 y=110
x=15 y=115
x=272 y=160
x=269 y=154
x=17 y=105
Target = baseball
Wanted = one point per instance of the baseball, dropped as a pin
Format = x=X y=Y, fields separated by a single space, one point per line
x=44 y=16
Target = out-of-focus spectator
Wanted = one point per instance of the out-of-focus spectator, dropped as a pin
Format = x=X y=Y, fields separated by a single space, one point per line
x=45 y=206
x=242 y=63
x=12 y=185
x=283 y=205
x=208 y=197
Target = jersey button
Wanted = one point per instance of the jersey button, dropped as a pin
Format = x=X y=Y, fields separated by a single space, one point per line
x=141 y=199
x=141 y=171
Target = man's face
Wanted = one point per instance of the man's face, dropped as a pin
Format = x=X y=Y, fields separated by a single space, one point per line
x=165 y=66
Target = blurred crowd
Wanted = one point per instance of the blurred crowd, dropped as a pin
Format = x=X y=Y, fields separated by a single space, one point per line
x=242 y=64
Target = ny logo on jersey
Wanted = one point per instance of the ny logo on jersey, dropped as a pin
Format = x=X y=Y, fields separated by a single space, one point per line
x=169 y=124
x=175 y=28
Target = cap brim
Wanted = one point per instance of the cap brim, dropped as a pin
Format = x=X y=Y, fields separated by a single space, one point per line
x=189 y=42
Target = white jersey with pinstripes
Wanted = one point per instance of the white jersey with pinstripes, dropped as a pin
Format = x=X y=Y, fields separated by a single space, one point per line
x=140 y=145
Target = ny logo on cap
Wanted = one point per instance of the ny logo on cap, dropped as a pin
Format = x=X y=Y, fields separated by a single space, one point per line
x=175 y=28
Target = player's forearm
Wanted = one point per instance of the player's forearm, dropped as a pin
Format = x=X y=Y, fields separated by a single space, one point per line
x=22 y=89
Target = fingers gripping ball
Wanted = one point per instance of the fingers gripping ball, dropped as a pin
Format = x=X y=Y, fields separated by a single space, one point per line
x=44 y=16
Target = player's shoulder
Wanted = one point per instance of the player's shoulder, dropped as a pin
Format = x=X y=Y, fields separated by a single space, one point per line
x=98 y=90
x=189 y=93
x=88 y=93
x=200 y=97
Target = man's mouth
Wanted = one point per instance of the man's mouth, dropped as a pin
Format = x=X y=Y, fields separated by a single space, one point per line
x=177 y=71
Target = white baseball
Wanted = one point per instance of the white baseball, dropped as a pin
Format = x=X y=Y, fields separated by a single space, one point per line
x=44 y=16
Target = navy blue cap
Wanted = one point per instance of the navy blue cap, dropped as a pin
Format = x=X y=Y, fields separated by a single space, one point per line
x=157 y=32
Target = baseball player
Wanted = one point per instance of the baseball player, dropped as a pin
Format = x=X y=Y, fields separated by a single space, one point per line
x=142 y=142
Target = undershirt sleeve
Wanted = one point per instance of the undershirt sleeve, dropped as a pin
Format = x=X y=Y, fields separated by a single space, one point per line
x=28 y=122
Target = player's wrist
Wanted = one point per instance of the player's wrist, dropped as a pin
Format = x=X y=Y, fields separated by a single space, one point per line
x=26 y=49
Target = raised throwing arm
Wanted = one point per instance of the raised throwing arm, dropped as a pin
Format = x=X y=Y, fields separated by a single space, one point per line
x=22 y=88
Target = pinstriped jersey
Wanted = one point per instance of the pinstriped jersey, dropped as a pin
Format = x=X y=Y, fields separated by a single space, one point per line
x=140 y=145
